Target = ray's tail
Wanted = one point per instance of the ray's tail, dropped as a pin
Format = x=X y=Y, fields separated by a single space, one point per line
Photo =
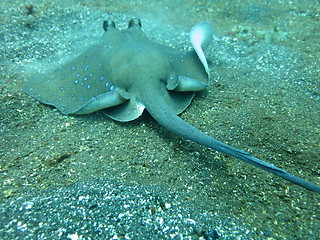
x=168 y=119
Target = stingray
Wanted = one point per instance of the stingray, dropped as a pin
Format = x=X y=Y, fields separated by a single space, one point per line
x=125 y=73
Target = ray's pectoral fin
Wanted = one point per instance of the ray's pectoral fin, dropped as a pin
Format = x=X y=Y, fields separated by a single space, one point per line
x=80 y=86
x=193 y=68
x=189 y=74
x=191 y=71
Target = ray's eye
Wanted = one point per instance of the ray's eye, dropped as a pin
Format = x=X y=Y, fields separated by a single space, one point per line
x=107 y=24
x=134 y=22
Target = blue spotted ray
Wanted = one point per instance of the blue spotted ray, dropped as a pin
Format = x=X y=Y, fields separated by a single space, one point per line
x=125 y=73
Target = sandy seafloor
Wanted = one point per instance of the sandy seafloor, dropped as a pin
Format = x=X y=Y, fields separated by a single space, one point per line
x=88 y=177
